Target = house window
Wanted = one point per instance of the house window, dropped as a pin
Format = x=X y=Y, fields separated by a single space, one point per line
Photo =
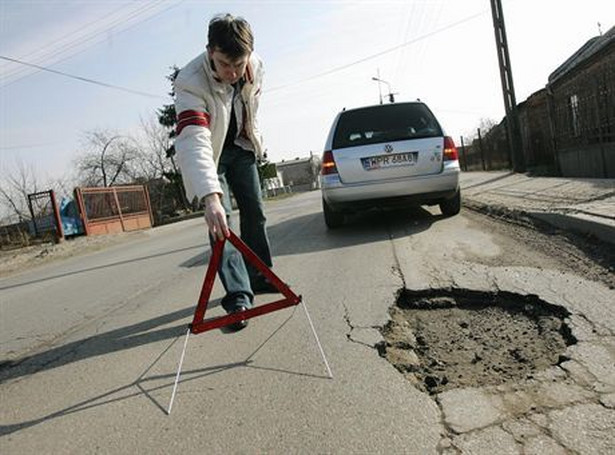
x=574 y=115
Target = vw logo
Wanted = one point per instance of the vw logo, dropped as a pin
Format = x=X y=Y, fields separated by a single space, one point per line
x=388 y=148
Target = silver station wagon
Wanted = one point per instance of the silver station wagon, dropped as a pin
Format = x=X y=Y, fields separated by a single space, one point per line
x=388 y=155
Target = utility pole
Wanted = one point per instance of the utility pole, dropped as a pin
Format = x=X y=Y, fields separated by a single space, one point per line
x=508 y=90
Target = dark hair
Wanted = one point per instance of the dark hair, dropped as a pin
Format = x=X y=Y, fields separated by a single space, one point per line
x=230 y=35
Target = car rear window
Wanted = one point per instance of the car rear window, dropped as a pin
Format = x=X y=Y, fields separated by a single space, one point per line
x=385 y=123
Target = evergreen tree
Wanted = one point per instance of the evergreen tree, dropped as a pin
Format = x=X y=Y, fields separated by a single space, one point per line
x=167 y=117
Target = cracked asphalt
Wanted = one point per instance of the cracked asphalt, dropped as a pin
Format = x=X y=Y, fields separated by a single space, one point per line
x=91 y=344
x=450 y=339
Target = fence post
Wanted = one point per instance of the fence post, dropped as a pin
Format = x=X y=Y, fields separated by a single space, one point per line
x=148 y=204
x=82 y=211
x=56 y=216
x=119 y=209
x=32 y=214
x=482 y=152
x=601 y=138
x=552 y=129
x=465 y=157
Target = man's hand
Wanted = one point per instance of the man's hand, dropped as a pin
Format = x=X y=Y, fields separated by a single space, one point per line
x=215 y=217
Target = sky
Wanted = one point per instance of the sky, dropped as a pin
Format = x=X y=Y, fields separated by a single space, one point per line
x=320 y=57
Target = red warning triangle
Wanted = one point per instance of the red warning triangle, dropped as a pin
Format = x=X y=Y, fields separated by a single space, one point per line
x=199 y=324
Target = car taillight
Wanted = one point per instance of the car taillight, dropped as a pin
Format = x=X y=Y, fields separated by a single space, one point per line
x=328 y=164
x=450 y=151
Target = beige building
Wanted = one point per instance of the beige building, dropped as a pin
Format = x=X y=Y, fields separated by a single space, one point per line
x=300 y=174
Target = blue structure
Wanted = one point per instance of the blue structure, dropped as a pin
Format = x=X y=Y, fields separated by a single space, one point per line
x=71 y=221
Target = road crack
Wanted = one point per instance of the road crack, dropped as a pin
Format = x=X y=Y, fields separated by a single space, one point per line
x=397 y=270
x=352 y=328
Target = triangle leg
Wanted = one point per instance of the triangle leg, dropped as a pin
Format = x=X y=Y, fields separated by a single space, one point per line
x=322 y=352
x=179 y=369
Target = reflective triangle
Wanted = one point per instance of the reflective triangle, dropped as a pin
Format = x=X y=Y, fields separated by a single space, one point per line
x=200 y=324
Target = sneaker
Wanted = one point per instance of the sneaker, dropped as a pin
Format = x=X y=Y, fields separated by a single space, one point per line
x=242 y=324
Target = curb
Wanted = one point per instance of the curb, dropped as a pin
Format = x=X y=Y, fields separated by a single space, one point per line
x=599 y=227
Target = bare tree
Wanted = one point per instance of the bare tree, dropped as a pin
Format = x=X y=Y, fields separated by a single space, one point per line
x=155 y=141
x=16 y=183
x=109 y=159
x=63 y=185
x=486 y=124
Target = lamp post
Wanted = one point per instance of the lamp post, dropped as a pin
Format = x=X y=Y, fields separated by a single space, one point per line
x=379 y=91
x=391 y=94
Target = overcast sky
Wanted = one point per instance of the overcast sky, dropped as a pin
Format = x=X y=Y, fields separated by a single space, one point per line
x=320 y=56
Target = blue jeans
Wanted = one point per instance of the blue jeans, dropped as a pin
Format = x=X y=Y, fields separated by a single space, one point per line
x=238 y=173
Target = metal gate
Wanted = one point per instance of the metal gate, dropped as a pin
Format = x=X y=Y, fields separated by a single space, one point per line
x=114 y=209
x=46 y=220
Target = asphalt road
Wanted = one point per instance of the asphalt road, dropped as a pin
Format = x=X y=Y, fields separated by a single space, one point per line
x=97 y=339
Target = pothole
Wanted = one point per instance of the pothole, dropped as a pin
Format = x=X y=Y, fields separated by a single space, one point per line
x=446 y=339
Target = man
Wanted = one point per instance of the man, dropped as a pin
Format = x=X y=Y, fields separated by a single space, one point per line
x=218 y=144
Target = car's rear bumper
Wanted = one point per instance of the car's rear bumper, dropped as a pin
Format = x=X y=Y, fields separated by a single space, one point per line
x=430 y=189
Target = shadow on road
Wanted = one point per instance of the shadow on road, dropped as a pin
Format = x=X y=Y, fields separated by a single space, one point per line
x=308 y=233
x=129 y=337
x=143 y=385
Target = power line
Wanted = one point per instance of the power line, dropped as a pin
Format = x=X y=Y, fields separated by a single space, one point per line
x=378 y=54
x=324 y=73
x=27 y=146
x=77 y=41
x=81 y=40
x=83 y=79
x=405 y=37
x=33 y=55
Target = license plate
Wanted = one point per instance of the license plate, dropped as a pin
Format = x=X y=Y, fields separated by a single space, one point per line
x=391 y=160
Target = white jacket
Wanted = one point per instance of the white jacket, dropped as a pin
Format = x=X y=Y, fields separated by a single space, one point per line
x=203 y=107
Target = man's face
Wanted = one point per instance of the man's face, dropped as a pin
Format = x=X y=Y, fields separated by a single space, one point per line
x=228 y=70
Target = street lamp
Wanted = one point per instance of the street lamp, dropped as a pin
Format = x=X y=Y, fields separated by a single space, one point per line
x=391 y=94
x=379 y=91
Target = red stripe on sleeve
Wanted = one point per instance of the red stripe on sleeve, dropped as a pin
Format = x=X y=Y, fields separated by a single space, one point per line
x=186 y=118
